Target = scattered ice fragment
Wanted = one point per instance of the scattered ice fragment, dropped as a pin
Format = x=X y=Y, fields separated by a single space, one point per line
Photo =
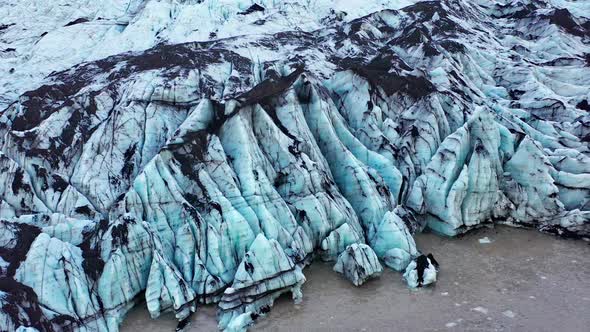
x=485 y=240
x=481 y=310
x=453 y=324
x=509 y=314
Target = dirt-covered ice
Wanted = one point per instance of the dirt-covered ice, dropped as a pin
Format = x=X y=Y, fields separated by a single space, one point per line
x=521 y=281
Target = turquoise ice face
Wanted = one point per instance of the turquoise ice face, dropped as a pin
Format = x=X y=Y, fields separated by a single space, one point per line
x=189 y=168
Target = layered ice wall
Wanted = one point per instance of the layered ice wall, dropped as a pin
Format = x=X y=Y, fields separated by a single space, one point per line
x=213 y=171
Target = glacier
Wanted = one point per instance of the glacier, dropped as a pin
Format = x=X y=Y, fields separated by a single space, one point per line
x=187 y=153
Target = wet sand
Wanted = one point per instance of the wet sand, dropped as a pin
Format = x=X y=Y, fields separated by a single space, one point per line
x=521 y=281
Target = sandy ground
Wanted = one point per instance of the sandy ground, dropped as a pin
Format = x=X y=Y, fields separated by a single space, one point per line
x=521 y=281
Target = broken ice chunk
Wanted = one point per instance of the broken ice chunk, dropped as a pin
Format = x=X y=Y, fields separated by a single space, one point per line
x=241 y=323
x=421 y=271
x=264 y=274
x=485 y=240
x=358 y=263
x=509 y=314
x=481 y=309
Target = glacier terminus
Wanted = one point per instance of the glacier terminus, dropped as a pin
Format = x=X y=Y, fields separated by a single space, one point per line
x=197 y=152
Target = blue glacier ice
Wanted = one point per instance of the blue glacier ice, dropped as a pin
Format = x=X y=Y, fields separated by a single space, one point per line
x=144 y=160
x=358 y=263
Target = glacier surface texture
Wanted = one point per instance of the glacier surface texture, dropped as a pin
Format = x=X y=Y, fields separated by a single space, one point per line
x=184 y=152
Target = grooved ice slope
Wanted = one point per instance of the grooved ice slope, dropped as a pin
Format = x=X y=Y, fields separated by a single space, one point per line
x=213 y=171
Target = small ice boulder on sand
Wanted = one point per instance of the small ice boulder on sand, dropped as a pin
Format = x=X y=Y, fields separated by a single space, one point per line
x=485 y=240
x=509 y=314
x=481 y=310
x=358 y=263
x=421 y=271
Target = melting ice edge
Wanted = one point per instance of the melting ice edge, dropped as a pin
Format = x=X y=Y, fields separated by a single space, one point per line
x=213 y=172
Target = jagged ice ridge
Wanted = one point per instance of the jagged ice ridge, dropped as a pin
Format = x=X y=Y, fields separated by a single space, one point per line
x=155 y=157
